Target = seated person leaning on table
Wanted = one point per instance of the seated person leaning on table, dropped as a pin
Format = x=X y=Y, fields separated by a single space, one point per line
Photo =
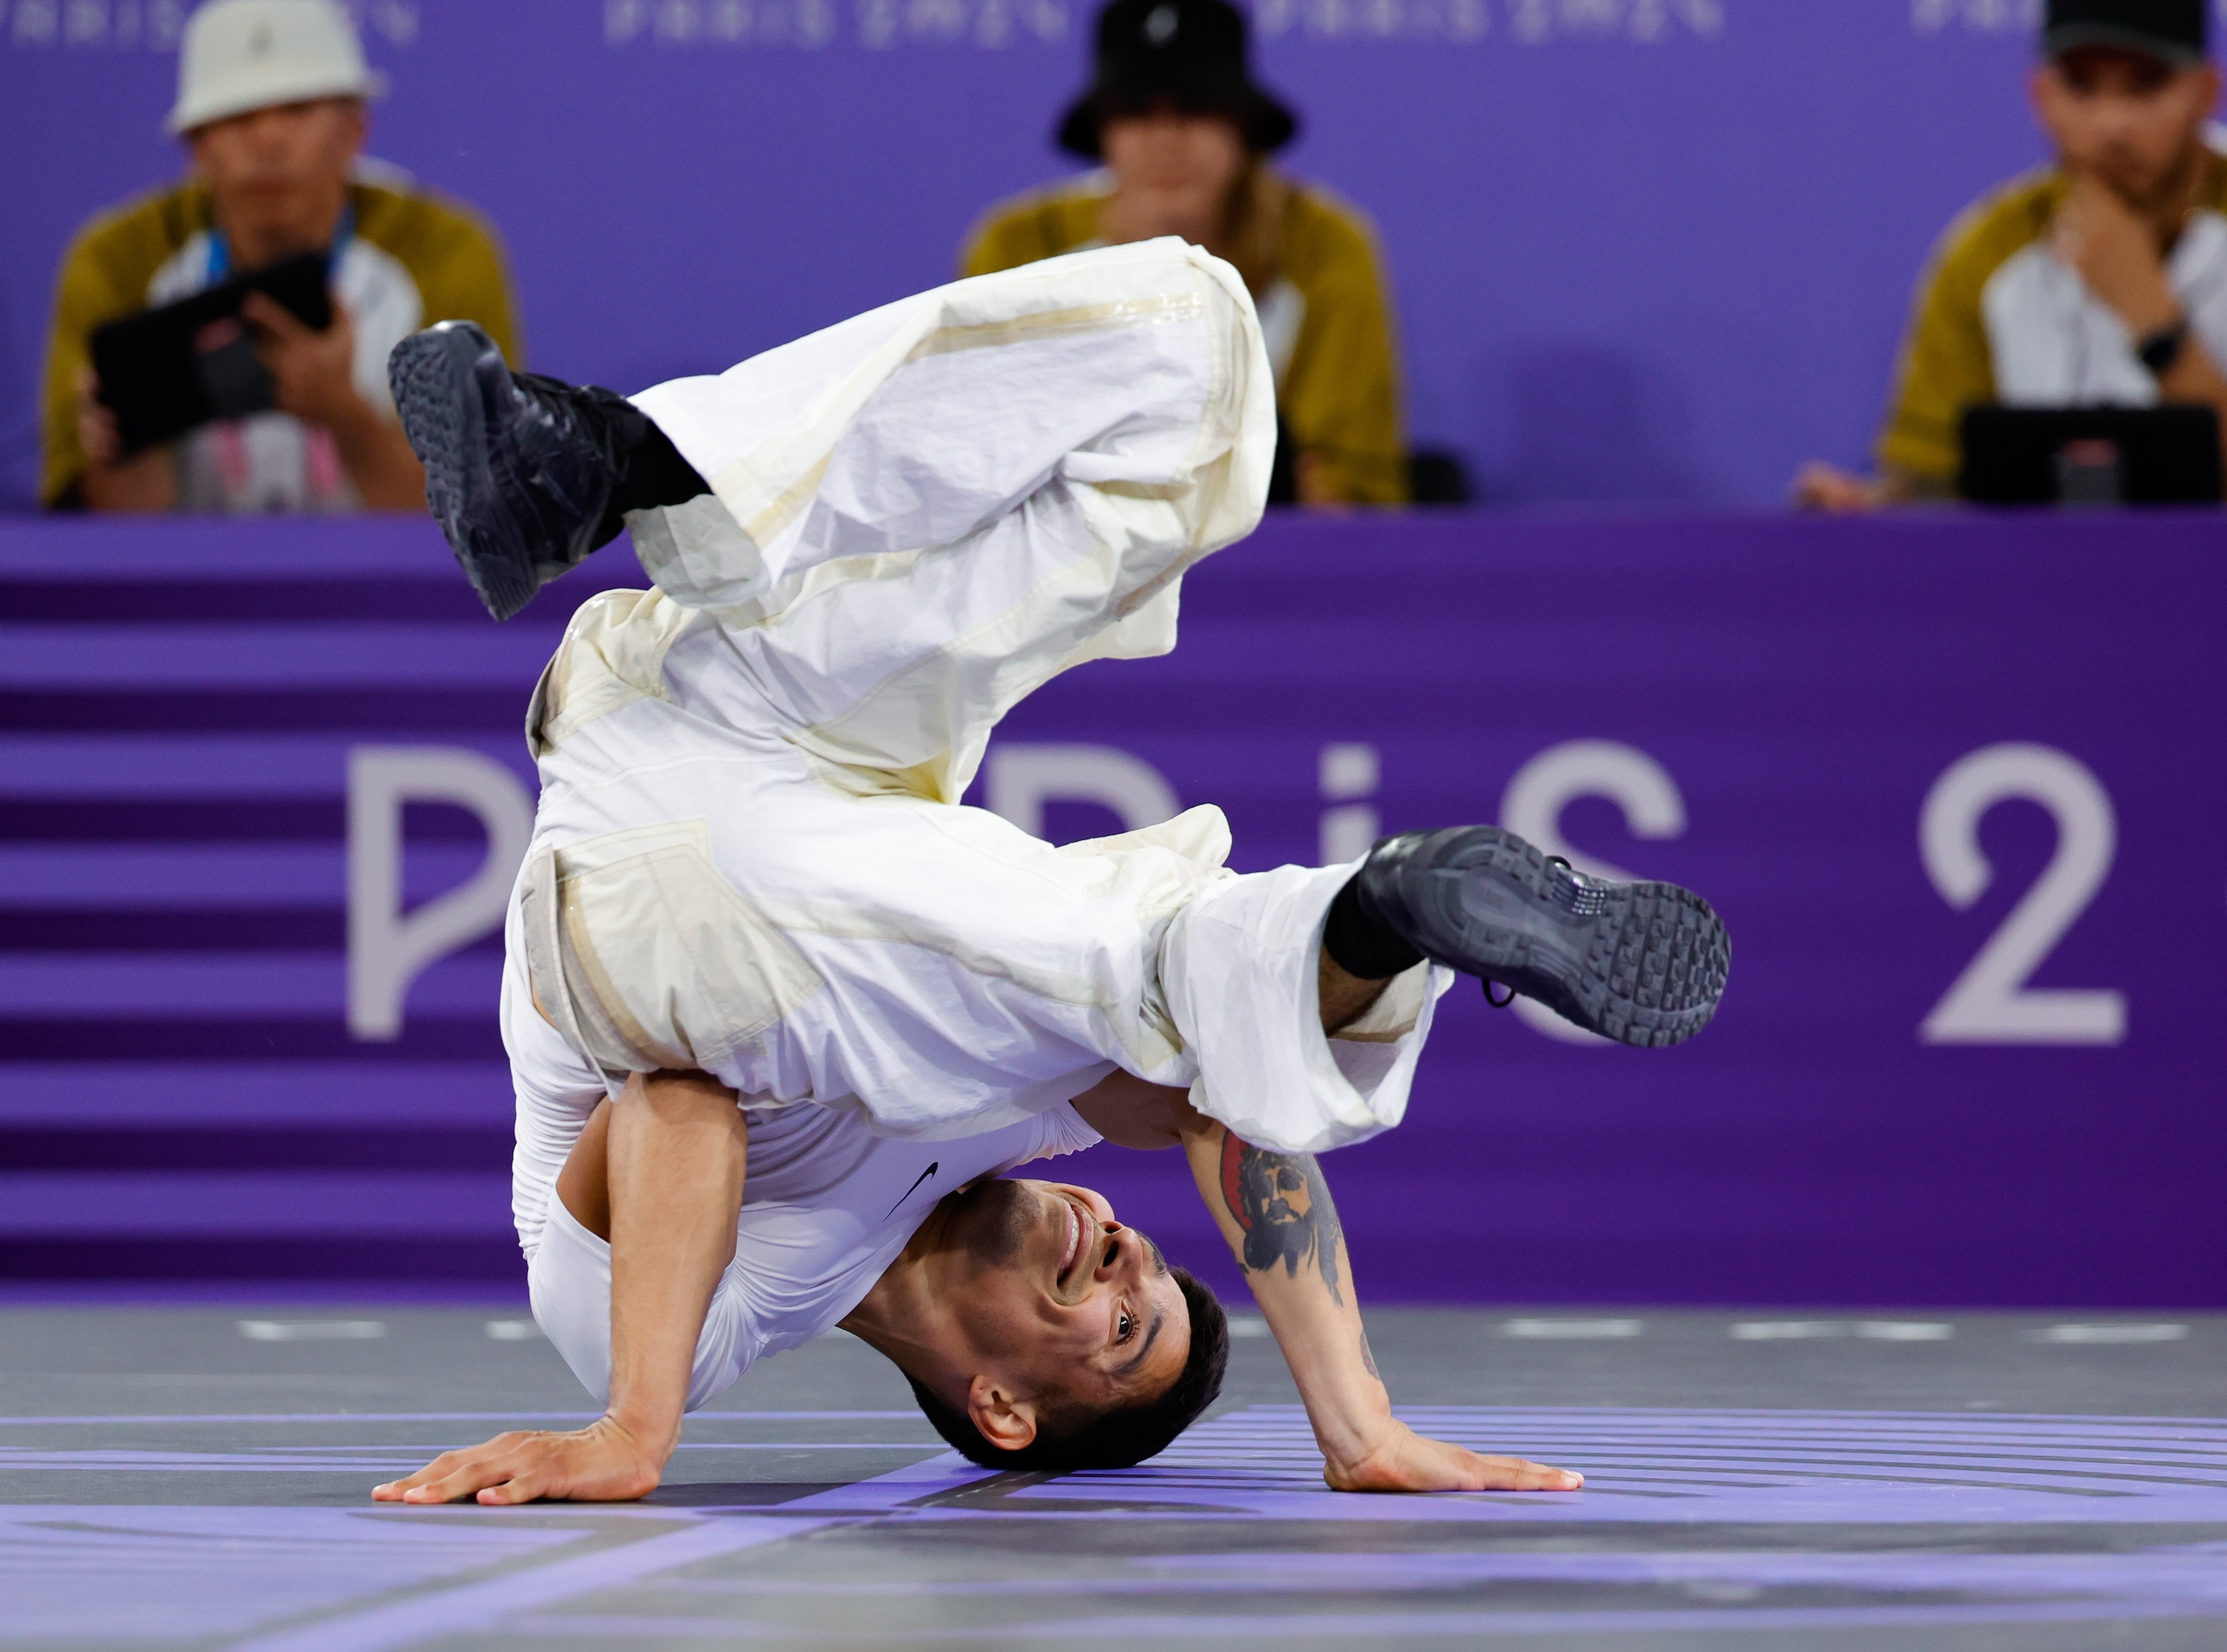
x=270 y=104
x=2101 y=278
x=1184 y=136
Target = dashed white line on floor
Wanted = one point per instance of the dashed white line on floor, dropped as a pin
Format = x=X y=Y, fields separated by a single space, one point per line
x=1571 y=1330
x=312 y=1330
x=2109 y=1333
x=512 y=1330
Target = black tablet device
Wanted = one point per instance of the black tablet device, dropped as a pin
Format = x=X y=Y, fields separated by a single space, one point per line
x=2091 y=456
x=165 y=371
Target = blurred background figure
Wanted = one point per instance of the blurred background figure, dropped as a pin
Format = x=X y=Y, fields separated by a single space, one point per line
x=2099 y=279
x=271 y=107
x=1184 y=135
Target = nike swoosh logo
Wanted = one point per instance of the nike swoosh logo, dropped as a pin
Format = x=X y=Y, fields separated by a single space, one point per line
x=933 y=1166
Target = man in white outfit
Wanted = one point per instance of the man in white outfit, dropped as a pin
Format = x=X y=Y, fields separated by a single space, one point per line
x=753 y=891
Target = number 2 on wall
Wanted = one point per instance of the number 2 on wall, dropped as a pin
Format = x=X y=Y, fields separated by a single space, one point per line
x=1990 y=1003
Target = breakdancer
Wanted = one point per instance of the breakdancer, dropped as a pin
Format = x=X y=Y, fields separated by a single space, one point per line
x=750 y=865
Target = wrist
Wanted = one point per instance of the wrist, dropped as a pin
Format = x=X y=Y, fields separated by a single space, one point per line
x=653 y=1434
x=1351 y=1462
x=2153 y=313
x=1357 y=1433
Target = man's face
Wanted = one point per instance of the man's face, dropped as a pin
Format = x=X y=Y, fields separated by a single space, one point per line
x=2129 y=118
x=1059 y=1301
x=279 y=175
x=1180 y=164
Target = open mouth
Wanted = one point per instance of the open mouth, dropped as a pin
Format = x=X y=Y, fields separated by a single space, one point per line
x=1072 y=1247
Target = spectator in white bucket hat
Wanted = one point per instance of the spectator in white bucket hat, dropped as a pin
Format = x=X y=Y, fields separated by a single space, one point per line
x=272 y=108
x=243 y=55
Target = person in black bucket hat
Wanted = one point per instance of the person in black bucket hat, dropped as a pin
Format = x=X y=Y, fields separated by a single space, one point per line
x=1183 y=132
x=1190 y=53
x=2100 y=278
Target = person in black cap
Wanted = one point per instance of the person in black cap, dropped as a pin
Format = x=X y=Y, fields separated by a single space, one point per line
x=2100 y=278
x=1185 y=134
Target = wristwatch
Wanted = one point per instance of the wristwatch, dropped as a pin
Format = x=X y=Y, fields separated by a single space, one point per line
x=2160 y=349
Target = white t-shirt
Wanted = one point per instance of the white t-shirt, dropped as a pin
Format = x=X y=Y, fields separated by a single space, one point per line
x=2055 y=344
x=826 y=1207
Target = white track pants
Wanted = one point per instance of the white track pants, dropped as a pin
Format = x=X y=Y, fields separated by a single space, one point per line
x=750 y=858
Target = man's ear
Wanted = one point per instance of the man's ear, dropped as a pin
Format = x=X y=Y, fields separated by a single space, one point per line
x=1007 y=1422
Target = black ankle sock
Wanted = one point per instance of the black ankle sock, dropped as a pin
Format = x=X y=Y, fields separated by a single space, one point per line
x=1360 y=942
x=654 y=473
x=651 y=470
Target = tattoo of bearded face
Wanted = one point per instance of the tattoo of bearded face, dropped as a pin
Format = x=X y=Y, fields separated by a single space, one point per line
x=1284 y=1206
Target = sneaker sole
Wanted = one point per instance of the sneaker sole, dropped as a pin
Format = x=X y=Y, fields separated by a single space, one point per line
x=1644 y=964
x=439 y=399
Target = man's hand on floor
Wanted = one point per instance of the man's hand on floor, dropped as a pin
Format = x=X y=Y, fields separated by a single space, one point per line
x=1405 y=1461
x=601 y=1463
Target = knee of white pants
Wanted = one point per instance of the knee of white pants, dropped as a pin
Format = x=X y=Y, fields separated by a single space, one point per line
x=1240 y=968
x=569 y=1283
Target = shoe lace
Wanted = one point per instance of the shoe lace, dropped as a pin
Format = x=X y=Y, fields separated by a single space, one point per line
x=1501 y=1004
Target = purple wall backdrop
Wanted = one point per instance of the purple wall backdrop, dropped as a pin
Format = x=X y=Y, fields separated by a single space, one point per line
x=180 y=1093
x=1646 y=250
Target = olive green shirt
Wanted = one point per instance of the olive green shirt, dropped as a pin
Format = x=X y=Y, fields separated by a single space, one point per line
x=1325 y=316
x=412 y=259
x=1998 y=319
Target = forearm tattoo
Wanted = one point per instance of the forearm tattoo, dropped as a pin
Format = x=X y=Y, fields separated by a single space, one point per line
x=1284 y=1205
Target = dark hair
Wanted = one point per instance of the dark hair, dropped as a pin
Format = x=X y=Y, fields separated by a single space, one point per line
x=1114 y=1439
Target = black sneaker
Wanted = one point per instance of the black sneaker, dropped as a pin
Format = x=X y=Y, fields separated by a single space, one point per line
x=519 y=477
x=1641 y=963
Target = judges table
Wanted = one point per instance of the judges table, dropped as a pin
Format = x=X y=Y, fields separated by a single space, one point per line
x=1954 y=783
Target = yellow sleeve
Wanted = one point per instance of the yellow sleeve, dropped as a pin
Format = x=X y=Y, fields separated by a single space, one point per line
x=1947 y=364
x=1041 y=224
x=1340 y=398
x=103 y=278
x=996 y=243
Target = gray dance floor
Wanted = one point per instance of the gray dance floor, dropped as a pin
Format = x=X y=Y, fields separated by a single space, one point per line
x=199 y=1477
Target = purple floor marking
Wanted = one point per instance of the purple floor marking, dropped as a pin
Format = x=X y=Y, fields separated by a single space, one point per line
x=1691 y=1466
x=402 y=1456
x=133 y=1421
x=1679 y=1466
x=177 y=1574
x=1368 y=1629
x=2192 y=1572
x=485 y=1604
